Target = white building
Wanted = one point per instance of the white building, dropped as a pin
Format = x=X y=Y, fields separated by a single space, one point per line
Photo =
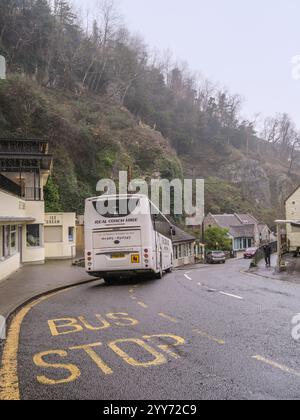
x=25 y=166
x=60 y=235
x=288 y=231
x=292 y=206
x=243 y=229
x=187 y=250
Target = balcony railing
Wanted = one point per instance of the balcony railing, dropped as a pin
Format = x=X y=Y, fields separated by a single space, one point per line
x=32 y=194
x=10 y=186
x=23 y=146
x=24 y=155
x=24 y=164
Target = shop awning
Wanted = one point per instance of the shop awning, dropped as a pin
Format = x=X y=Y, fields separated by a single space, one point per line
x=17 y=220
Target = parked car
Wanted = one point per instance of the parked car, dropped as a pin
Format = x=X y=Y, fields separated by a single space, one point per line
x=250 y=253
x=216 y=257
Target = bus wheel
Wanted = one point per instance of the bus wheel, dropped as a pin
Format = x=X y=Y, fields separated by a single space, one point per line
x=169 y=270
x=108 y=280
x=159 y=275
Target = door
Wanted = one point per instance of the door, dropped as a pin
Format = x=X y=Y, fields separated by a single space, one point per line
x=20 y=242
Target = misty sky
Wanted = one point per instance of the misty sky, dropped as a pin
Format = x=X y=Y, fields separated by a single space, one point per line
x=245 y=45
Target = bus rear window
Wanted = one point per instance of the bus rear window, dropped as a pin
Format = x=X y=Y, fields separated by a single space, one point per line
x=116 y=208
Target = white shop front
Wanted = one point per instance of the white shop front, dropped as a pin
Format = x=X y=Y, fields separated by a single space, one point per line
x=60 y=235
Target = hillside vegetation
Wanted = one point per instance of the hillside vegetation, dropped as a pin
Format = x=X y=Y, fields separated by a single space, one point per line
x=90 y=139
x=106 y=103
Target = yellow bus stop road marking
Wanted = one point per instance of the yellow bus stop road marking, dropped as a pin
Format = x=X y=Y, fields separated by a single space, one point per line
x=9 y=381
x=275 y=365
x=167 y=317
x=210 y=337
x=143 y=305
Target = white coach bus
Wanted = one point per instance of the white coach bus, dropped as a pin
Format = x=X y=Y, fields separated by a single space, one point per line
x=124 y=237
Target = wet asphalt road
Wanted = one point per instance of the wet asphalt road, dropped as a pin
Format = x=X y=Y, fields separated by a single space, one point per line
x=209 y=333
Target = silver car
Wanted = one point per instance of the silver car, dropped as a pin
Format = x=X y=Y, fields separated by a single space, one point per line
x=216 y=257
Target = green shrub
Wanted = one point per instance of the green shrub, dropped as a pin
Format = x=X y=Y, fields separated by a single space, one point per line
x=217 y=238
x=52 y=197
x=119 y=121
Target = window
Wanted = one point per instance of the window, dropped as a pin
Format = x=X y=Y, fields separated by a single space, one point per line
x=242 y=243
x=183 y=251
x=13 y=239
x=53 y=234
x=8 y=241
x=239 y=244
x=179 y=251
x=71 y=232
x=6 y=246
x=116 y=208
x=176 y=252
x=161 y=225
x=33 y=235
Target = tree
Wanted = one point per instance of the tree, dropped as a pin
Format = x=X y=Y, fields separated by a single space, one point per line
x=105 y=32
x=217 y=238
x=281 y=132
x=45 y=40
x=52 y=197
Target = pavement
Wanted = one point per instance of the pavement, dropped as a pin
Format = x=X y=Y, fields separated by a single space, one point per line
x=292 y=275
x=217 y=332
x=33 y=280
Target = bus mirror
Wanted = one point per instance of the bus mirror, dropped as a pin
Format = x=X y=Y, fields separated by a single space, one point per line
x=173 y=230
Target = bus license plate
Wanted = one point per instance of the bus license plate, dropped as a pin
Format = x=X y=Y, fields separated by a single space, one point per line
x=117 y=256
x=135 y=259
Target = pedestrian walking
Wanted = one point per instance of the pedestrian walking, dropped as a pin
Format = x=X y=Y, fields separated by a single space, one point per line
x=267 y=252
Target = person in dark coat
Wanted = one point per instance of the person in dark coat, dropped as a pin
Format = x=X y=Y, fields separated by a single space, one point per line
x=267 y=252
